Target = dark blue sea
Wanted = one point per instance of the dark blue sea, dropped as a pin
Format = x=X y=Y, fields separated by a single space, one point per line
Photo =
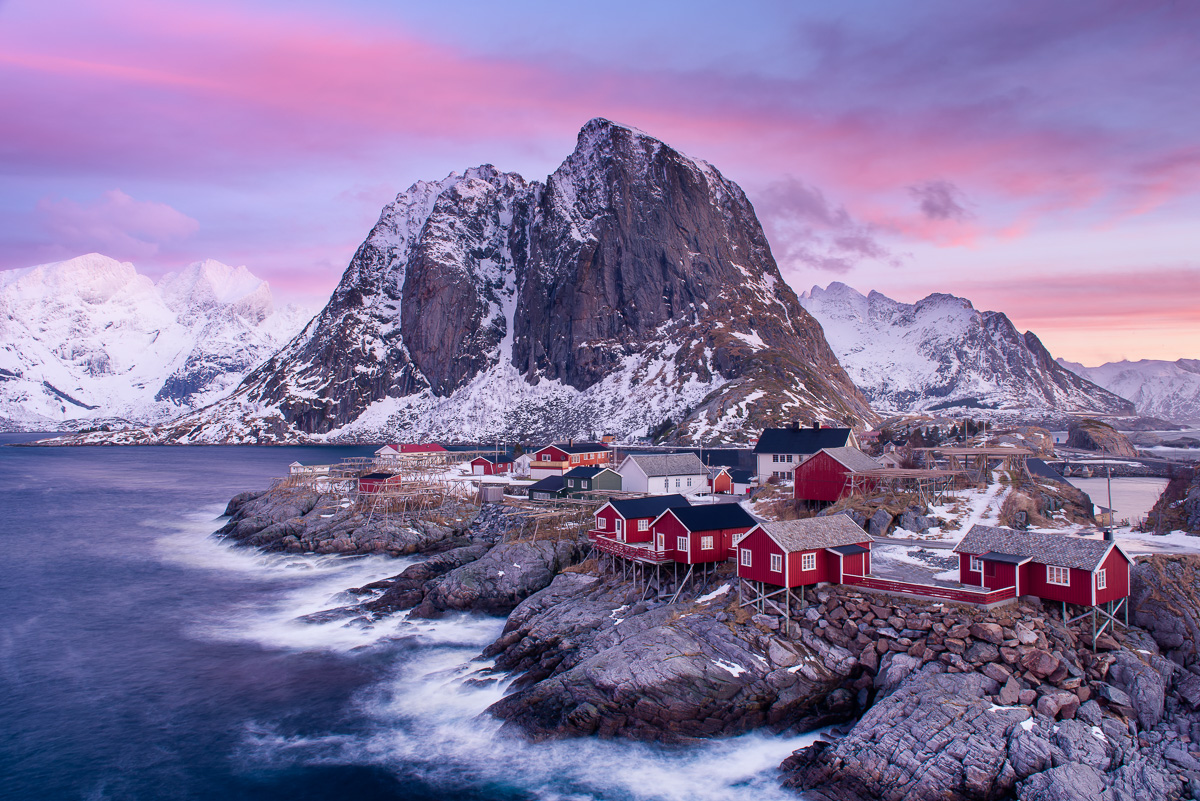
x=142 y=658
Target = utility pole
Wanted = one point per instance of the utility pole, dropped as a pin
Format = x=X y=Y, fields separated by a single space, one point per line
x=1108 y=534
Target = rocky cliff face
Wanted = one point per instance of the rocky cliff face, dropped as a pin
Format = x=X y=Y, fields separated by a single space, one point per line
x=634 y=286
x=941 y=353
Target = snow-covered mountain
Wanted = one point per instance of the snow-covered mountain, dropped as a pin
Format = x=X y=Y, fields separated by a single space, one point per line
x=940 y=352
x=633 y=290
x=91 y=338
x=1168 y=390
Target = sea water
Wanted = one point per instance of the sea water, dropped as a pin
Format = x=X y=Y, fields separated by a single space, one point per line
x=142 y=658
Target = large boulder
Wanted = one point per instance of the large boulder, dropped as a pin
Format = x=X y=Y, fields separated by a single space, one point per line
x=1165 y=598
x=506 y=575
x=1094 y=435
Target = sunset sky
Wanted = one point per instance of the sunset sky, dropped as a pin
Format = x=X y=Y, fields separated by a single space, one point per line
x=1041 y=159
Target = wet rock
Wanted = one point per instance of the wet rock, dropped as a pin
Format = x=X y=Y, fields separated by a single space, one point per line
x=1143 y=684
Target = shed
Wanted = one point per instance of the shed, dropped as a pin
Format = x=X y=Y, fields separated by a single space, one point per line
x=590 y=479
x=492 y=464
x=664 y=473
x=373 y=483
x=548 y=489
x=824 y=477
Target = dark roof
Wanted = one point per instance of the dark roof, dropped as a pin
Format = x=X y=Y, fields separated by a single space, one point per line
x=801 y=440
x=578 y=447
x=848 y=550
x=1040 y=469
x=584 y=472
x=1008 y=558
x=816 y=532
x=494 y=459
x=548 y=484
x=1061 y=550
x=378 y=475
x=652 y=506
x=742 y=476
x=713 y=516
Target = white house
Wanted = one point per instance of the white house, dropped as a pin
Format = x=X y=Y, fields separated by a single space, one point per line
x=664 y=474
x=779 y=450
x=298 y=469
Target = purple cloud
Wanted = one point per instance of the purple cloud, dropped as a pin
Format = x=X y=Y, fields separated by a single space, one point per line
x=940 y=200
x=115 y=224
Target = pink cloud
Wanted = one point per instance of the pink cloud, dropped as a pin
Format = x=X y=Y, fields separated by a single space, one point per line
x=115 y=224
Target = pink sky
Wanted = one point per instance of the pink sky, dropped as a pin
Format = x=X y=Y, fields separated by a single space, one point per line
x=1037 y=161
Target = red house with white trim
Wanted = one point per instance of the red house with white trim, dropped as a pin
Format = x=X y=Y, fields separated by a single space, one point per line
x=698 y=534
x=1050 y=566
x=557 y=459
x=491 y=464
x=824 y=477
x=630 y=520
x=795 y=553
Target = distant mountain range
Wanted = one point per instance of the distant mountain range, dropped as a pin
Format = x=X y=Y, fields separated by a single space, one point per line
x=1168 y=390
x=90 y=340
x=631 y=292
x=941 y=353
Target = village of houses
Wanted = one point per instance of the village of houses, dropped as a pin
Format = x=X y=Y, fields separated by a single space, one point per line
x=806 y=507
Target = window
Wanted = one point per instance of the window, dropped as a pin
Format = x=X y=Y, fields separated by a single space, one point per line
x=976 y=564
x=745 y=557
x=689 y=482
x=1058 y=575
x=601 y=523
x=808 y=561
x=545 y=457
x=789 y=458
x=776 y=563
x=575 y=458
x=775 y=457
x=706 y=544
x=570 y=482
x=666 y=483
x=676 y=483
x=681 y=543
x=644 y=524
x=1101 y=580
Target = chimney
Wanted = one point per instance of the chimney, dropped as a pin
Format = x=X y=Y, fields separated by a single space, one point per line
x=795 y=426
x=816 y=424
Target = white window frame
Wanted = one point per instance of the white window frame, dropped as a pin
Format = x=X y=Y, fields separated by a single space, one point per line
x=776 y=563
x=676 y=483
x=747 y=557
x=808 y=561
x=706 y=543
x=689 y=482
x=976 y=564
x=775 y=457
x=789 y=458
x=601 y=523
x=575 y=458
x=1102 y=579
x=644 y=524
x=570 y=482
x=545 y=457
x=618 y=525
x=1055 y=574
x=681 y=543
x=666 y=483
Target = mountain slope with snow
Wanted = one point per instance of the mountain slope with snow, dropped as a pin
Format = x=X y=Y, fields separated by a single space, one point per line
x=940 y=352
x=1158 y=388
x=633 y=290
x=91 y=338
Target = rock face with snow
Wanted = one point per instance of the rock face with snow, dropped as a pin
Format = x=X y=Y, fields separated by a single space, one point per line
x=634 y=286
x=92 y=338
x=1169 y=390
x=940 y=352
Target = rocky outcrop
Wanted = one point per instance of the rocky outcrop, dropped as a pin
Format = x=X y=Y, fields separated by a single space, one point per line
x=598 y=664
x=1093 y=435
x=500 y=579
x=634 y=287
x=1165 y=598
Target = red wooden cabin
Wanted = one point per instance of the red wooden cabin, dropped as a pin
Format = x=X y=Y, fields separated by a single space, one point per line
x=824 y=477
x=491 y=465
x=375 y=482
x=719 y=481
x=1050 y=566
x=697 y=534
x=795 y=553
x=629 y=520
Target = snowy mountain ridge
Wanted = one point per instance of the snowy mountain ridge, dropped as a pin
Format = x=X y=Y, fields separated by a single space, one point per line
x=632 y=290
x=1158 y=388
x=941 y=352
x=91 y=338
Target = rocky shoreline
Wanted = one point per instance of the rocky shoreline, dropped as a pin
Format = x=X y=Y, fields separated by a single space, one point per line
x=936 y=700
